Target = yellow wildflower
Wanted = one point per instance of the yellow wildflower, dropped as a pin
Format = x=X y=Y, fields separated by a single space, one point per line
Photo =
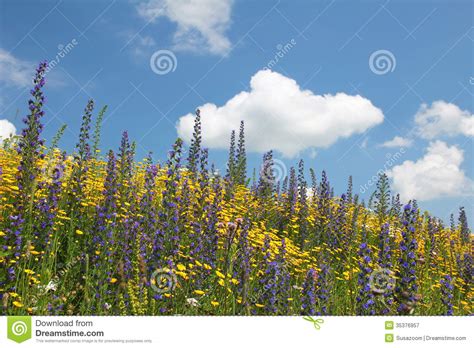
x=182 y=275
x=17 y=304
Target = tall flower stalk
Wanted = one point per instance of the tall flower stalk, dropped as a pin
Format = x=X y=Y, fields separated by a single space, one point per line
x=365 y=299
x=308 y=296
x=30 y=152
x=447 y=294
x=407 y=287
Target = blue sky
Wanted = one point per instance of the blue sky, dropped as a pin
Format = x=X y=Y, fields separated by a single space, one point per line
x=314 y=49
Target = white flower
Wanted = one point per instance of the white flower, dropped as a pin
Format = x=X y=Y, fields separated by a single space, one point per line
x=192 y=302
x=52 y=285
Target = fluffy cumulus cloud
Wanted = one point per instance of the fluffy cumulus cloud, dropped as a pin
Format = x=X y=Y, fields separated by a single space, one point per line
x=201 y=24
x=7 y=129
x=437 y=174
x=442 y=118
x=398 y=141
x=279 y=115
x=14 y=71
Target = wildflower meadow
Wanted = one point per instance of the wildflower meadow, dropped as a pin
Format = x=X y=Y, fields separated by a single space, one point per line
x=98 y=233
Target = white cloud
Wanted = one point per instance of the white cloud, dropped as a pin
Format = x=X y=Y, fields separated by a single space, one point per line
x=7 y=129
x=141 y=45
x=442 y=118
x=14 y=71
x=436 y=174
x=279 y=115
x=201 y=24
x=398 y=141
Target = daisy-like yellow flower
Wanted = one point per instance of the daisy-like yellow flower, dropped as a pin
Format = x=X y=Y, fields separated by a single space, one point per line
x=29 y=271
x=17 y=304
x=220 y=275
x=181 y=267
x=79 y=232
x=214 y=303
x=2 y=234
x=258 y=305
x=199 y=292
x=113 y=280
x=182 y=275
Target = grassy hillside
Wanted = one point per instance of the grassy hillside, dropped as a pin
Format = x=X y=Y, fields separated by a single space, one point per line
x=92 y=233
